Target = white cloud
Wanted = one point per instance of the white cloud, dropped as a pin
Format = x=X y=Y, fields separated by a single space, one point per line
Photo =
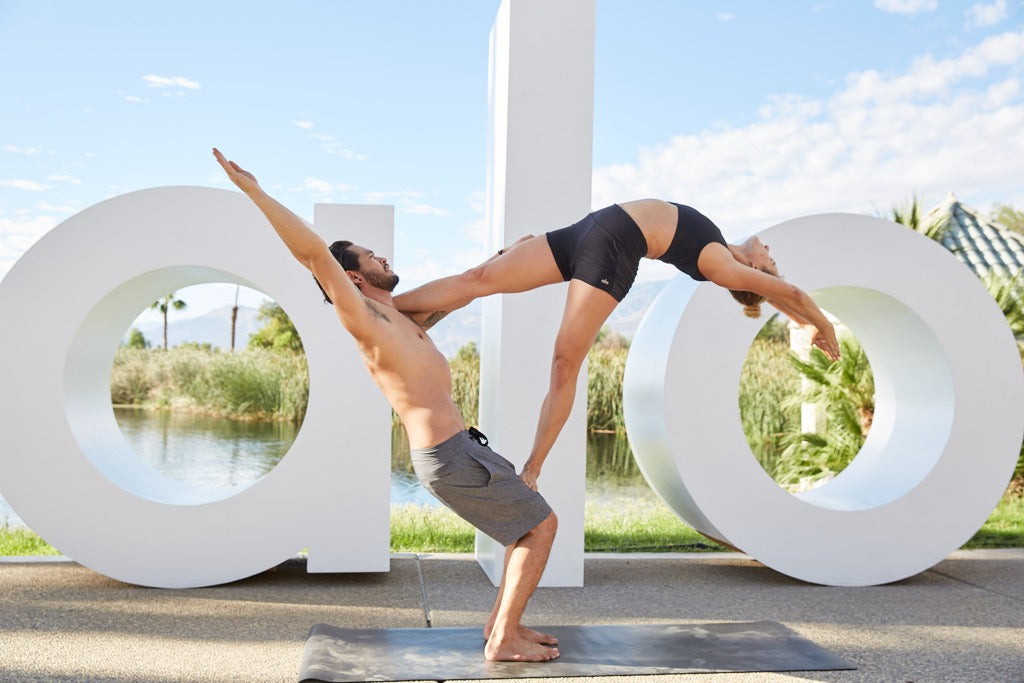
x=43 y=206
x=378 y=197
x=154 y=81
x=955 y=124
x=407 y=201
x=19 y=184
x=424 y=267
x=134 y=99
x=725 y=16
x=16 y=236
x=329 y=143
x=323 y=186
x=332 y=146
x=463 y=248
x=15 y=149
x=65 y=179
x=906 y=6
x=420 y=209
x=980 y=15
x=927 y=78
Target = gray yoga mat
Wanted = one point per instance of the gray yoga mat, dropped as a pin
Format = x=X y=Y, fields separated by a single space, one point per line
x=334 y=654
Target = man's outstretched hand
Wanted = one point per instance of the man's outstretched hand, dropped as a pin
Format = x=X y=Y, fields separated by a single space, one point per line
x=245 y=181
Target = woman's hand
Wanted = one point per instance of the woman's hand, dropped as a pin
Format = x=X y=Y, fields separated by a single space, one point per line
x=825 y=339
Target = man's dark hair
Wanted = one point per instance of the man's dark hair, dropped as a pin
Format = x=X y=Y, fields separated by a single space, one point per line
x=348 y=259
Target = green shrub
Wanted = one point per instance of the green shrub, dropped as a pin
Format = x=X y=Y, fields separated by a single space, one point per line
x=131 y=378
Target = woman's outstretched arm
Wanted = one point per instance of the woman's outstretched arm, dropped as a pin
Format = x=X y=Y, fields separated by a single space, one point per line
x=725 y=271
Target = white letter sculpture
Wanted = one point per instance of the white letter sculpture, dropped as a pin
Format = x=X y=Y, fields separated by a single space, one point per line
x=947 y=424
x=541 y=111
x=66 y=468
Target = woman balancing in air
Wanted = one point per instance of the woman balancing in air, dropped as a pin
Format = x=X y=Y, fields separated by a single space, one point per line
x=599 y=256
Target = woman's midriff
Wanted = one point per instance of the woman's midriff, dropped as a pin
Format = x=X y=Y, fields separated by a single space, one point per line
x=657 y=220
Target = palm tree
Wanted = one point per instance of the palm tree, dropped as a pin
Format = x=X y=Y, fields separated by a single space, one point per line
x=1009 y=294
x=911 y=215
x=163 y=305
x=234 y=316
x=1008 y=291
x=846 y=387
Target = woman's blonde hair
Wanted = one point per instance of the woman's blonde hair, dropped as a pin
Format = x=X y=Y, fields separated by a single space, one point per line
x=751 y=302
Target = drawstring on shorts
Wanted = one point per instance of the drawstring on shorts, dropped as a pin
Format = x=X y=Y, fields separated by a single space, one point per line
x=477 y=436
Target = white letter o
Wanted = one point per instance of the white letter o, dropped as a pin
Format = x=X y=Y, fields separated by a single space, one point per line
x=947 y=425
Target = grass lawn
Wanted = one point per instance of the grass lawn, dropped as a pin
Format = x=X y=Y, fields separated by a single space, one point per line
x=629 y=522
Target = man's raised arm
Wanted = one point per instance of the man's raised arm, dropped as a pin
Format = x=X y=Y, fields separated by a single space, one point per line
x=306 y=246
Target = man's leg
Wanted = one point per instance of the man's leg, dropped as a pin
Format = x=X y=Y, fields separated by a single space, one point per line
x=524 y=564
x=528 y=633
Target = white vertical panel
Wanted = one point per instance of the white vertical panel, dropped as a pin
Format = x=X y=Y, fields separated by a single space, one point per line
x=540 y=155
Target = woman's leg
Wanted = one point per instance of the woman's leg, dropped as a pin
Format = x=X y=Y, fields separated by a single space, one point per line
x=586 y=310
x=526 y=265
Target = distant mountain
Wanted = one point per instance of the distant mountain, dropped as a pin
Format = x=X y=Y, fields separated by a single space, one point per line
x=449 y=335
x=631 y=310
x=213 y=328
x=457 y=329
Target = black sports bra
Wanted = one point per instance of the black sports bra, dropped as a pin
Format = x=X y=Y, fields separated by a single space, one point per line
x=694 y=231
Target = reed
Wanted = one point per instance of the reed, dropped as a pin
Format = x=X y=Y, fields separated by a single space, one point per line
x=465 y=367
x=767 y=380
x=252 y=384
x=605 y=368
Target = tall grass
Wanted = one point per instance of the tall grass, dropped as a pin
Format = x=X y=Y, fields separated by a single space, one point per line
x=767 y=380
x=604 y=389
x=255 y=383
x=265 y=384
x=465 y=366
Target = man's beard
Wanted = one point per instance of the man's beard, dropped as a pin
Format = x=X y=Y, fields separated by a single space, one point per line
x=386 y=281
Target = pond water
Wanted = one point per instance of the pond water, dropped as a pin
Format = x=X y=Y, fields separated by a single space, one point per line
x=226 y=455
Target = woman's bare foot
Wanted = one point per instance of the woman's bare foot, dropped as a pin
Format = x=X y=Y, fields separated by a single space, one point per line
x=532 y=636
x=518 y=650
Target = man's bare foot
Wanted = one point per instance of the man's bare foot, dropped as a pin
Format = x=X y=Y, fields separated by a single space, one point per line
x=518 y=650
x=532 y=636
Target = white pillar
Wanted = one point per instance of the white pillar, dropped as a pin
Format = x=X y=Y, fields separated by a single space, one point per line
x=365 y=445
x=541 y=93
x=812 y=415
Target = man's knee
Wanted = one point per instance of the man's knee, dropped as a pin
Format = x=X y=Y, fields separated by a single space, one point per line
x=548 y=527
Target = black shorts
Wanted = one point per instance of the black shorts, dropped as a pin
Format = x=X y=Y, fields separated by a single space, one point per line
x=603 y=250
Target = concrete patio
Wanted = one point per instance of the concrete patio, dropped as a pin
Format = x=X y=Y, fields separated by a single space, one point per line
x=962 y=620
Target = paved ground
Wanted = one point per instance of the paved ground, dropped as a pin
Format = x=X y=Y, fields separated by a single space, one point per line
x=961 y=621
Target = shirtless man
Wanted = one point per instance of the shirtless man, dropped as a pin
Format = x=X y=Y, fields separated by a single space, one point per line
x=452 y=462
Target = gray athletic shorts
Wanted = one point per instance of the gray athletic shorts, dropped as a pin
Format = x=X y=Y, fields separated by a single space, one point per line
x=480 y=486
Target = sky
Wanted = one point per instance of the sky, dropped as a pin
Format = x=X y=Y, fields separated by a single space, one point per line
x=753 y=112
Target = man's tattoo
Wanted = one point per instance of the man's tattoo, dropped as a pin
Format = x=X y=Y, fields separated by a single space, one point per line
x=376 y=311
x=432 y=319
